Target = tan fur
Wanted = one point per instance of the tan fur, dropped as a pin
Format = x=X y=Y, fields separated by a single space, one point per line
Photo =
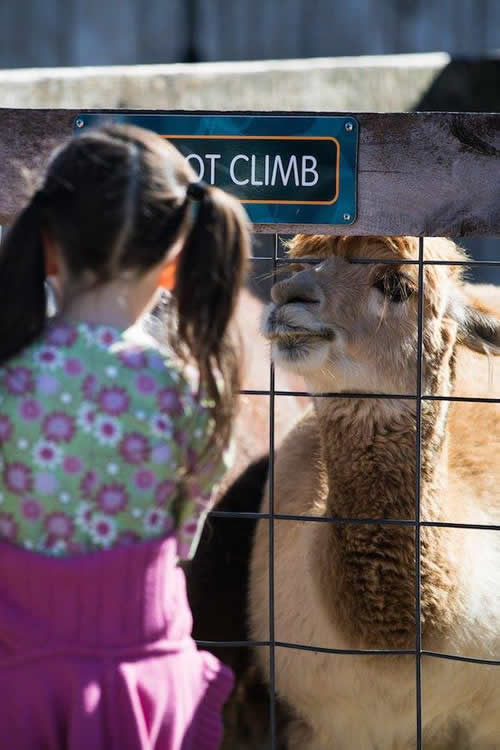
x=251 y=427
x=352 y=586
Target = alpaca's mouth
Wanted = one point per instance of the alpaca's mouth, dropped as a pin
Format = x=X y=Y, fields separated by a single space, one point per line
x=282 y=328
x=291 y=337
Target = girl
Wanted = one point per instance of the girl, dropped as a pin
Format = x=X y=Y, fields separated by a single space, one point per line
x=111 y=446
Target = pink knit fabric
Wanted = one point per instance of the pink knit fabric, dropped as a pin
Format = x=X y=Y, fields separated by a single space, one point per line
x=96 y=653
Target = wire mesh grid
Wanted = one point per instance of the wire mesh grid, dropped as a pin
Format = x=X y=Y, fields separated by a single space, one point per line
x=419 y=397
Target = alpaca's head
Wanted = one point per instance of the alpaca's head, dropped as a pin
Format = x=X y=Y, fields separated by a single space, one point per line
x=348 y=326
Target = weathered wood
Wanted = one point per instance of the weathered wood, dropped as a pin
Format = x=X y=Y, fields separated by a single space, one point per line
x=427 y=174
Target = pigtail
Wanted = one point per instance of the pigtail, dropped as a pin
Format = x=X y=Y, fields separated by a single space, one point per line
x=22 y=289
x=211 y=271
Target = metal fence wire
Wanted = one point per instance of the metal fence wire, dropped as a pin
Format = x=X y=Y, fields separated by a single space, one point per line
x=419 y=397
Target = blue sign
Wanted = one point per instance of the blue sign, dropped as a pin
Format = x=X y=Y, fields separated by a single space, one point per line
x=286 y=169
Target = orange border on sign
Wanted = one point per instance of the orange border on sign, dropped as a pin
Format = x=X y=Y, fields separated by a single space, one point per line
x=278 y=138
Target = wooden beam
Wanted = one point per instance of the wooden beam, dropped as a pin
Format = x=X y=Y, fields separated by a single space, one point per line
x=428 y=174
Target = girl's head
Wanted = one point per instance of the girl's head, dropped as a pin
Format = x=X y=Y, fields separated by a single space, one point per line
x=115 y=203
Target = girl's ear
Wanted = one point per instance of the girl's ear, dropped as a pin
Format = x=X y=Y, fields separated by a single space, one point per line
x=479 y=327
x=50 y=254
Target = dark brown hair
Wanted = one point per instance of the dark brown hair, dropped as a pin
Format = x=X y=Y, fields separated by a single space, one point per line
x=114 y=199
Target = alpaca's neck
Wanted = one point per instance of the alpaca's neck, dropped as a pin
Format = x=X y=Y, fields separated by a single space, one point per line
x=369 y=449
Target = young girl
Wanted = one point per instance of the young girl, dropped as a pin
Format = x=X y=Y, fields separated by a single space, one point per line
x=111 y=445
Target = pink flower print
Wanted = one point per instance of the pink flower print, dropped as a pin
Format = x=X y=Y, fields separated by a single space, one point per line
x=5 y=428
x=161 y=426
x=156 y=361
x=17 y=478
x=190 y=528
x=48 y=357
x=89 y=483
x=59 y=525
x=144 y=479
x=161 y=453
x=145 y=384
x=89 y=387
x=47 y=384
x=73 y=366
x=46 y=455
x=128 y=537
x=168 y=401
x=165 y=491
x=192 y=460
x=102 y=530
x=86 y=416
x=135 y=359
x=46 y=483
x=8 y=526
x=105 y=336
x=18 y=380
x=157 y=521
x=30 y=410
x=113 y=400
x=134 y=448
x=72 y=464
x=61 y=335
x=194 y=491
x=107 y=430
x=181 y=437
x=58 y=427
x=112 y=498
x=75 y=548
x=31 y=509
x=83 y=516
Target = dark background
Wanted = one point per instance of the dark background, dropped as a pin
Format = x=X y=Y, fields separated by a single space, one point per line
x=37 y=33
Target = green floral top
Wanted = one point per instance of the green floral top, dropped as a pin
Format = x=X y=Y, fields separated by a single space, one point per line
x=101 y=435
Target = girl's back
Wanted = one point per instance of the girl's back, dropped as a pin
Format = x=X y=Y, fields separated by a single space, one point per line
x=112 y=443
x=101 y=441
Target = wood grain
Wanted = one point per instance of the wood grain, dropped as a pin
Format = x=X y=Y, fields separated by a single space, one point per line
x=422 y=174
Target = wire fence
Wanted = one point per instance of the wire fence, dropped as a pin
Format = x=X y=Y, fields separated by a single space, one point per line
x=463 y=176
x=419 y=397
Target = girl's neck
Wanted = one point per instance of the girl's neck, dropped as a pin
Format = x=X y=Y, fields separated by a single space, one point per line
x=117 y=303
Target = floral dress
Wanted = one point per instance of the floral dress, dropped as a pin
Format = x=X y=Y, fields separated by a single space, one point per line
x=102 y=435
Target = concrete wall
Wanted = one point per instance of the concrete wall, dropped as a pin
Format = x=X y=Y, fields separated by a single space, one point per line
x=362 y=84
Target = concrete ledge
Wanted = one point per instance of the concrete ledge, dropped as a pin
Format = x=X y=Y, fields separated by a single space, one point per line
x=362 y=84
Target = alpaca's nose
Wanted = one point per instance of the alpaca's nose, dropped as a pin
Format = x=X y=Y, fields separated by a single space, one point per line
x=300 y=290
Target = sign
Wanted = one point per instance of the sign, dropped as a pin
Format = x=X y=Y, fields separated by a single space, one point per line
x=285 y=169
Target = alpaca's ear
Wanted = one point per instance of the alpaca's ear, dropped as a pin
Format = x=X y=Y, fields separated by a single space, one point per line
x=479 y=328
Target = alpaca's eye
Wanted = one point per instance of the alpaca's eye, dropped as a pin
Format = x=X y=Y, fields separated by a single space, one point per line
x=394 y=287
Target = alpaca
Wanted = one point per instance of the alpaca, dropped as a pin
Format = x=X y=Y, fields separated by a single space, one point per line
x=348 y=327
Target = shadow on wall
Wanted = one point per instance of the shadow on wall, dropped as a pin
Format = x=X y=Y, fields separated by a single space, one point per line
x=469 y=85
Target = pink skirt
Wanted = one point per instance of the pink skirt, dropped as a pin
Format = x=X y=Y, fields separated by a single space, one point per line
x=96 y=654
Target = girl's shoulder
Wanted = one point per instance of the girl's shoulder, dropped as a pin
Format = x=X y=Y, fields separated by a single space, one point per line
x=139 y=344
x=71 y=350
